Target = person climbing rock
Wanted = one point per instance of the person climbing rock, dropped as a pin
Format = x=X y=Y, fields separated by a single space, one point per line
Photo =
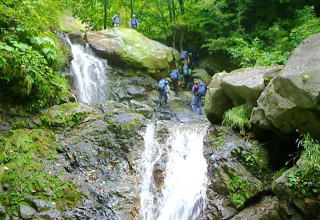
x=175 y=77
x=163 y=88
x=116 y=20
x=184 y=56
x=187 y=76
x=134 y=23
x=199 y=91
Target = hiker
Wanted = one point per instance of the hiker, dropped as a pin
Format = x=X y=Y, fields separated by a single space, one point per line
x=184 y=57
x=116 y=20
x=175 y=77
x=134 y=23
x=187 y=76
x=199 y=91
x=163 y=88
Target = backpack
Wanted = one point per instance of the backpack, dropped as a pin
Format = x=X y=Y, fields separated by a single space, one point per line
x=183 y=54
x=202 y=89
x=186 y=70
x=174 y=75
x=162 y=84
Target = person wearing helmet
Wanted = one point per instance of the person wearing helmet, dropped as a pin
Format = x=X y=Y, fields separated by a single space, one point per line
x=134 y=23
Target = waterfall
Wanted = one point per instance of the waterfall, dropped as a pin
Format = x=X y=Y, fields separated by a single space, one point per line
x=89 y=74
x=182 y=194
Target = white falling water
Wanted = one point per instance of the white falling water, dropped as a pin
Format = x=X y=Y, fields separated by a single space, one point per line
x=89 y=74
x=182 y=196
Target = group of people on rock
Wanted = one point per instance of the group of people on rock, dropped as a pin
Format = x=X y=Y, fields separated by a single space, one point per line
x=116 y=21
x=184 y=73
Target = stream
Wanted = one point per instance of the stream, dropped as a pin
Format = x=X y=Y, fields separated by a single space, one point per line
x=173 y=170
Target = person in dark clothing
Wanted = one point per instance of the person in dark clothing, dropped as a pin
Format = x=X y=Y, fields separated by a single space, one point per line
x=175 y=78
x=187 y=77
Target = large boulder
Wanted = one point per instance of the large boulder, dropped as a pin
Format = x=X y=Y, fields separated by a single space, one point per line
x=127 y=47
x=245 y=85
x=242 y=86
x=292 y=100
x=216 y=101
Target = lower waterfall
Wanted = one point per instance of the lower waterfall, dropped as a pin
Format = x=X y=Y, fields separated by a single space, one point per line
x=180 y=195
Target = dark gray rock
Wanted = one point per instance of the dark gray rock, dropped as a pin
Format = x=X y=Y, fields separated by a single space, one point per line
x=42 y=205
x=49 y=215
x=268 y=208
x=26 y=212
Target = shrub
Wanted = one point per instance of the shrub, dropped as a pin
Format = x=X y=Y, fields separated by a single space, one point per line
x=306 y=178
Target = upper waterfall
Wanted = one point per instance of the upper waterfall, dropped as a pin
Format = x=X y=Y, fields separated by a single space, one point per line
x=89 y=73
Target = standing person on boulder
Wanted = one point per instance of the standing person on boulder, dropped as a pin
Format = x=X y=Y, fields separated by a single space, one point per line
x=199 y=90
x=175 y=77
x=116 y=20
x=134 y=23
x=163 y=88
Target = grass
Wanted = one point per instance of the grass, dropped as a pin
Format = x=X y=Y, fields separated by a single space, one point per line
x=237 y=118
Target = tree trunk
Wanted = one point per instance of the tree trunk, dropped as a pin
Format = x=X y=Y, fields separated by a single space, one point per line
x=173 y=10
x=105 y=14
x=131 y=7
x=181 y=4
x=170 y=10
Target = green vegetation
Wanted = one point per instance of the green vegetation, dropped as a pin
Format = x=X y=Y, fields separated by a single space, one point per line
x=306 y=178
x=249 y=32
x=63 y=116
x=237 y=118
x=240 y=189
x=31 y=56
x=27 y=165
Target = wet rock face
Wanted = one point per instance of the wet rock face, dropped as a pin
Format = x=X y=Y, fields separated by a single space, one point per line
x=240 y=179
x=102 y=159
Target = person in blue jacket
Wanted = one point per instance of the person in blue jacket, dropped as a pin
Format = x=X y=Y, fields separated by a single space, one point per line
x=199 y=91
x=134 y=23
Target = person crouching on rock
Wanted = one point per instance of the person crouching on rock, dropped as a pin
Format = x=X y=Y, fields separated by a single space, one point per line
x=163 y=88
x=199 y=91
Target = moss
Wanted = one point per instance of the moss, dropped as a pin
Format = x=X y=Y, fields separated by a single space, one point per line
x=217 y=139
x=240 y=189
x=62 y=116
x=24 y=154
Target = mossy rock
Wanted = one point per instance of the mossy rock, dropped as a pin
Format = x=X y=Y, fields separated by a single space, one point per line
x=241 y=187
x=65 y=116
x=24 y=156
x=127 y=47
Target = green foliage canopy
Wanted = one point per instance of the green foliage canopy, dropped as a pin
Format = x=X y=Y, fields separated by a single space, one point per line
x=30 y=53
